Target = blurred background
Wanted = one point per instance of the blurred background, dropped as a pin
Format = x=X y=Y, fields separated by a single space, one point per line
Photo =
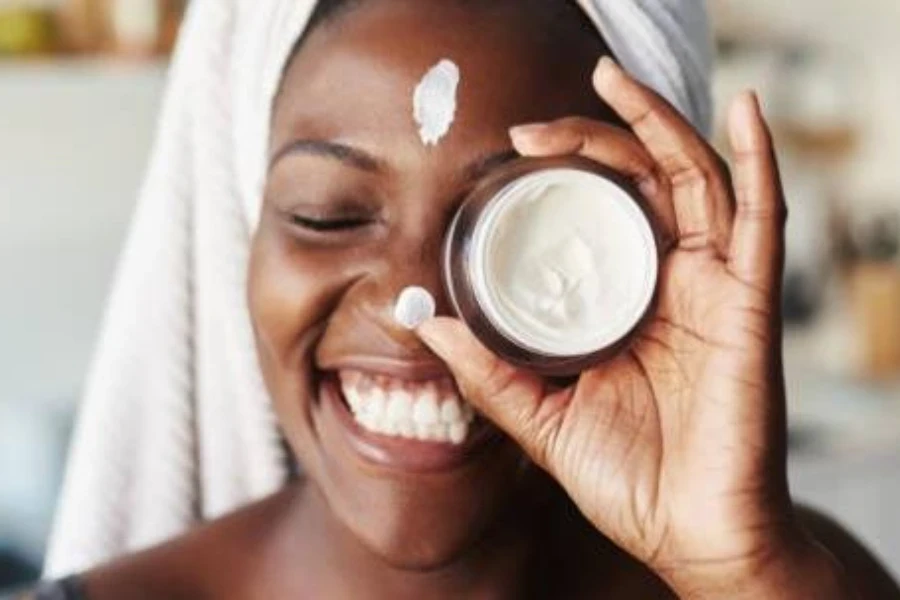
x=80 y=83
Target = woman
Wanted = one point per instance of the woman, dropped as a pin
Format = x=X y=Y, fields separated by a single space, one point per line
x=659 y=473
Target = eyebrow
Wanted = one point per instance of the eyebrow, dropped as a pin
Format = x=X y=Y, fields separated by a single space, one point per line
x=352 y=156
x=364 y=161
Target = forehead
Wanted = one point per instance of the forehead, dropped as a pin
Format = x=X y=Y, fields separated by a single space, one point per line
x=354 y=77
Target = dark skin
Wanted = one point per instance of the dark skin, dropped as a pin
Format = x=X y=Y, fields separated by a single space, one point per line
x=498 y=526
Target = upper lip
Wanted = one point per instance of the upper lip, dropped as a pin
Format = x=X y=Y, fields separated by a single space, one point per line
x=410 y=369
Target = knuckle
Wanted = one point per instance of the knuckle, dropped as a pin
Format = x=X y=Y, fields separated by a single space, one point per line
x=750 y=156
x=499 y=380
x=575 y=125
x=755 y=211
x=706 y=173
x=573 y=133
x=647 y=117
x=688 y=175
x=665 y=184
x=655 y=111
x=643 y=170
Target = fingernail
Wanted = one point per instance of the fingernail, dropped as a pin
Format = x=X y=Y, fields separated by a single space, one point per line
x=757 y=105
x=744 y=112
x=750 y=102
x=605 y=66
x=607 y=62
x=529 y=130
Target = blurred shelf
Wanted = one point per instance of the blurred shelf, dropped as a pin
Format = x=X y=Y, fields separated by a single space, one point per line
x=80 y=65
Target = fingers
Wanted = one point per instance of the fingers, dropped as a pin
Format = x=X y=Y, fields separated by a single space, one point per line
x=513 y=399
x=757 y=248
x=607 y=145
x=701 y=193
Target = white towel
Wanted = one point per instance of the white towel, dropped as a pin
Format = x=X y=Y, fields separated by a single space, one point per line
x=176 y=426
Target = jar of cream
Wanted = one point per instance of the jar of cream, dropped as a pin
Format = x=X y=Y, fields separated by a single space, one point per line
x=552 y=263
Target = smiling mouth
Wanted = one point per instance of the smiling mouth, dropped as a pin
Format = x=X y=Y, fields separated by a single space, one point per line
x=406 y=424
x=427 y=411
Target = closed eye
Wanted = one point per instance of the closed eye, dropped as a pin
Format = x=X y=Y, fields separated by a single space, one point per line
x=329 y=225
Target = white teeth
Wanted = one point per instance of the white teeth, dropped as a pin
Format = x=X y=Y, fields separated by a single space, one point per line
x=373 y=405
x=407 y=430
x=352 y=399
x=458 y=432
x=429 y=411
x=450 y=411
x=400 y=406
x=426 y=410
x=437 y=433
x=368 y=421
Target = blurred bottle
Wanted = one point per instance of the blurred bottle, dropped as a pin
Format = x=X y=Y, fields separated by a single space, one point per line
x=875 y=290
x=144 y=27
x=83 y=25
x=134 y=28
x=27 y=27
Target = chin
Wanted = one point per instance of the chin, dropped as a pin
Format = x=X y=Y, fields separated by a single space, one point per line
x=425 y=521
x=407 y=471
x=426 y=542
x=418 y=498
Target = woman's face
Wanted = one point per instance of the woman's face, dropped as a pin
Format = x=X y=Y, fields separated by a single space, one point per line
x=355 y=210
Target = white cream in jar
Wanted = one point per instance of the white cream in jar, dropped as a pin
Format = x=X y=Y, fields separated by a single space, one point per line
x=559 y=265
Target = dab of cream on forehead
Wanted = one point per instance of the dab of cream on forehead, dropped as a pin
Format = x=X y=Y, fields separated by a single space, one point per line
x=434 y=101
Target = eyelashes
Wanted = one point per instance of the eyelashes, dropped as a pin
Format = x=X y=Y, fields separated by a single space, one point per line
x=322 y=226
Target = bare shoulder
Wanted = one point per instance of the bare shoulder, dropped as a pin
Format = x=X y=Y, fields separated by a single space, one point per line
x=867 y=573
x=214 y=560
x=67 y=589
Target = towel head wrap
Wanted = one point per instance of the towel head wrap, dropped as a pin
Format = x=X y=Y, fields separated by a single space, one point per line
x=176 y=426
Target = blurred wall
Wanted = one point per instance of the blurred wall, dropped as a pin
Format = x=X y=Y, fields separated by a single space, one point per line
x=861 y=40
x=74 y=138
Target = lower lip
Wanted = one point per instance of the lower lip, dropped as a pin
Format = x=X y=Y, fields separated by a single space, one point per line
x=399 y=453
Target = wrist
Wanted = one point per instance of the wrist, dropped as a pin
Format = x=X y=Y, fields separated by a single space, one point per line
x=792 y=567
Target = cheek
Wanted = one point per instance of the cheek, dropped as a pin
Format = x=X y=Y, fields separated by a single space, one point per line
x=291 y=294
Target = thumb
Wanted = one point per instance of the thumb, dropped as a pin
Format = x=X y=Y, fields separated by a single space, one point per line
x=514 y=399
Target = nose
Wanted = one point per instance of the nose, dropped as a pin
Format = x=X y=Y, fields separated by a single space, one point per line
x=410 y=256
x=372 y=319
x=414 y=261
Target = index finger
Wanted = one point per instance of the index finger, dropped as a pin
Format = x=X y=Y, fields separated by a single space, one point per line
x=700 y=184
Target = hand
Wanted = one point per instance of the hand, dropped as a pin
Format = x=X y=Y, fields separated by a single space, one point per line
x=675 y=450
